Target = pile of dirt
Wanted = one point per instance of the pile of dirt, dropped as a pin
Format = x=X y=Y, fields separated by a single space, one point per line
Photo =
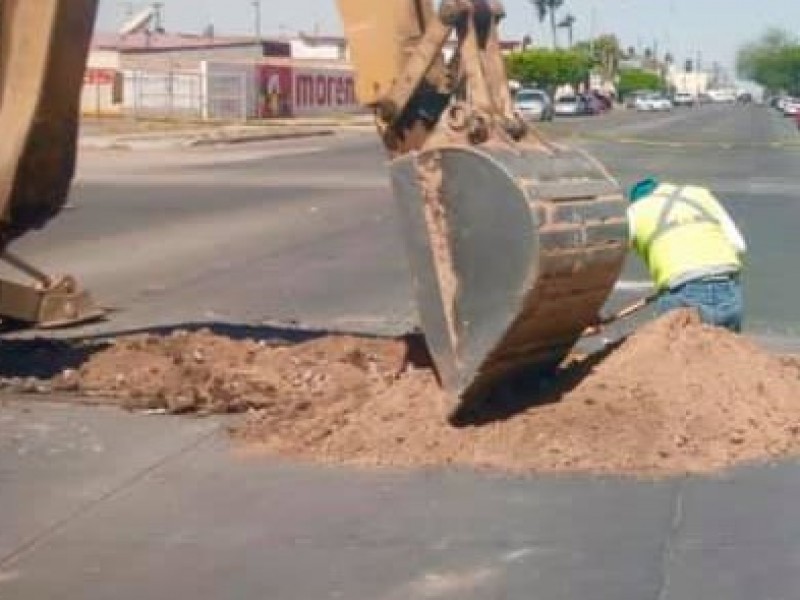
x=676 y=397
x=206 y=373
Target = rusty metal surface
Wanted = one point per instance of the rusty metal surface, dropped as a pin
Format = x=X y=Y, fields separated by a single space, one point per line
x=61 y=305
x=43 y=49
x=531 y=272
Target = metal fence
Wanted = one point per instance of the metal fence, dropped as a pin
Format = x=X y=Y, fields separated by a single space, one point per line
x=188 y=94
x=229 y=95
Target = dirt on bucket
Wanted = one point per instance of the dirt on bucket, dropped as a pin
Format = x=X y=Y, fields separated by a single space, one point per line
x=676 y=397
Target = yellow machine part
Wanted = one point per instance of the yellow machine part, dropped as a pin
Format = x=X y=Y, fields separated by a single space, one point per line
x=43 y=49
x=380 y=35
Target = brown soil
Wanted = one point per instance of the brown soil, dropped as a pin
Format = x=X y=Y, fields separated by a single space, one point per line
x=676 y=397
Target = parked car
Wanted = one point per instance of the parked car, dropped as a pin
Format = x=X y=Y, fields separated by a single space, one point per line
x=630 y=100
x=791 y=108
x=653 y=103
x=683 y=99
x=606 y=103
x=780 y=103
x=570 y=106
x=592 y=104
x=534 y=105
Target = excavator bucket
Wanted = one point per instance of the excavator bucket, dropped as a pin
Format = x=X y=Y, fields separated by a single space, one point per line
x=514 y=243
x=43 y=50
x=513 y=254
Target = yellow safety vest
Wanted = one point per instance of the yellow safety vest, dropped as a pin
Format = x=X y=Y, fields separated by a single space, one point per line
x=677 y=232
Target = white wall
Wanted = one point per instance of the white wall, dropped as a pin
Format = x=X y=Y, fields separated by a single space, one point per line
x=163 y=94
x=304 y=51
x=103 y=59
x=689 y=83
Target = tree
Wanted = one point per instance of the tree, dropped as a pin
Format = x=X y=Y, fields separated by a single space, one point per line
x=545 y=8
x=568 y=23
x=548 y=68
x=631 y=80
x=609 y=53
x=773 y=62
x=605 y=53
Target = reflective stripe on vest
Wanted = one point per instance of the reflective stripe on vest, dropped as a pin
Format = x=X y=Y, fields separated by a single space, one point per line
x=678 y=231
x=665 y=226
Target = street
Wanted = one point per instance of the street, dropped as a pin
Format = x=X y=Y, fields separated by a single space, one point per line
x=304 y=231
x=102 y=504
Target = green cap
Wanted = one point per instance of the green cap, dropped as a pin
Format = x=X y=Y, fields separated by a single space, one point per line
x=643 y=189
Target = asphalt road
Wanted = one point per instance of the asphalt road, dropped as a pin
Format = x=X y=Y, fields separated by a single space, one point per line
x=304 y=231
x=99 y=504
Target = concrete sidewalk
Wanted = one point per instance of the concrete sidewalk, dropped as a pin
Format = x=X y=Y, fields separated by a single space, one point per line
x=100 y=504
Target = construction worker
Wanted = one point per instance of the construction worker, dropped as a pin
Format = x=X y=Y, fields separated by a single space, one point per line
x=692 y=249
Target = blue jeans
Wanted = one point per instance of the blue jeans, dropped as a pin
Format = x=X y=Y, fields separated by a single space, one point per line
x=719 y=302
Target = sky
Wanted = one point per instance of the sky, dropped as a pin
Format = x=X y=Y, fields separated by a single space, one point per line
x=714 y=28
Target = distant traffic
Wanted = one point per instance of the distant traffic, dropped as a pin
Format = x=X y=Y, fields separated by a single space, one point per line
x=535 y=104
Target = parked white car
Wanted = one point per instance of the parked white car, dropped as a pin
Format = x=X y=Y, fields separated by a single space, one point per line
x=569 y=106
x=652 y=103
x=791 y=107
x=683 y=99
x=534 y=105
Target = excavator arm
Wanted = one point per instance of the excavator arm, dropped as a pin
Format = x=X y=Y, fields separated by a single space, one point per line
x=43 y=49
x=514 y=243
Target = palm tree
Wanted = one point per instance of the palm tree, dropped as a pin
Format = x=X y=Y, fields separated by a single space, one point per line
x=608 y=53
x=548 y=7
x=568 y=23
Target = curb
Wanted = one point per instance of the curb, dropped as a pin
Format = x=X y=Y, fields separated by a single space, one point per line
x=263 y=137
x=183 y=141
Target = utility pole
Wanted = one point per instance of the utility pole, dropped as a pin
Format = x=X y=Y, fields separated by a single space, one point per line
x=257 y=19
x=158 y=18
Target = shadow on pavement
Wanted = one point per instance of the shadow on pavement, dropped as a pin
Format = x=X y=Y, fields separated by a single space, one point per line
x=529 y=390
x=45 y=358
